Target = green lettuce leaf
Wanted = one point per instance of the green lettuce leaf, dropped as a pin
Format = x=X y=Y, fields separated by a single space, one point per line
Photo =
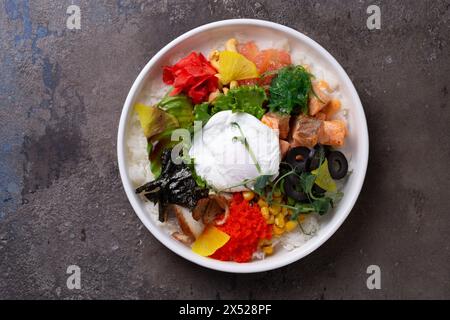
x=180 y=107
x=202 y=112
x=248 y=99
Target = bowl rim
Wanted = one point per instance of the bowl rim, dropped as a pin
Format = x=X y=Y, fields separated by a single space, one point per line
x=251 y=267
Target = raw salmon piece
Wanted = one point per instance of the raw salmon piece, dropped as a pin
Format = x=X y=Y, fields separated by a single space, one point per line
x=333 y=133
x=306 y=131
x=277 y=121
x=284 y=148
x=249 y=50
x=331 y=109
x=272 y=59
x=321 y=116
x=320 y=98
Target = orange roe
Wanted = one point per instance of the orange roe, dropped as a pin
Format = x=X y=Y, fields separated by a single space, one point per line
x=246 y=227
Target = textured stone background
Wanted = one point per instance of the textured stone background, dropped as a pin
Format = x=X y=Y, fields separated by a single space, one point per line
x=61 y=199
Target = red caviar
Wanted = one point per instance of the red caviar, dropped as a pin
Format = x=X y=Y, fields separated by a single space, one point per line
x=246 y=227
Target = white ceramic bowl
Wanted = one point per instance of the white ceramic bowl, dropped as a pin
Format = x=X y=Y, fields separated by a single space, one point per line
x=357 y=143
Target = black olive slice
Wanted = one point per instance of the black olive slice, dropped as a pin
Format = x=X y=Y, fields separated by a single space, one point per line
x=291 y=192
x=320 y=152
x=293 y=179
x=337 y=165
x=298 y=158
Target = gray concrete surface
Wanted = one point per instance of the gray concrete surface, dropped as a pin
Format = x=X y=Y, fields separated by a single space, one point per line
x=61 y=199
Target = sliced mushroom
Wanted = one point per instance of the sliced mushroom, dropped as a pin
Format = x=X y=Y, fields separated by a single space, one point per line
x=212 y=211
x=223 y=203
x=200 y=208
x=208 y=209
x=185 y=239
x=188 y=225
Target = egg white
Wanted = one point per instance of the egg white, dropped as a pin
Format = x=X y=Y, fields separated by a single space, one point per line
x=223 y=162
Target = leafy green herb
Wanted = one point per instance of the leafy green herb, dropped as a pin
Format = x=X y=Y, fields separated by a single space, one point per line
x=244 y=141
x=261 y=183
x=202 y=113
x=290 y=90
x=280 y=180
x=243 y=183
x=307 y=182
x=249 y=99
x=319 y=204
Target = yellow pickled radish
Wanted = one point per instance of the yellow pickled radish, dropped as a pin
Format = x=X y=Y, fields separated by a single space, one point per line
x=323 y=178
x=210 y=241
x=234 y=66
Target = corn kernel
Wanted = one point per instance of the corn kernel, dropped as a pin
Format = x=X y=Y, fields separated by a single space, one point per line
x=277 y=193
x=271 y=220
x=291 y=225
x=278 y=199
x=284 y=211
x=275 y=209
x=277 y=230
x=265 y=212
x=268 y=250
x=233 y=84
x=279 y=220
x=248 y=195
x=262 y=203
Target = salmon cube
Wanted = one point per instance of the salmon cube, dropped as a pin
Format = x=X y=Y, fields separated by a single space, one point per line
x=319 y=98
x=333 y=133
x=277 y=121
x=284 y=148
x=306 y=131
x=331 y=109
x=321 y=116
x=249 y=50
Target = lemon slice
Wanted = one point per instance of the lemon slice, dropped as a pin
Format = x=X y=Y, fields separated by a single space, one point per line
x=323 y=178
x=234 y=66
x=210 y=241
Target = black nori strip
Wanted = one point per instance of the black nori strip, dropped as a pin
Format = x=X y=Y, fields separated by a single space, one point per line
x=175 y=185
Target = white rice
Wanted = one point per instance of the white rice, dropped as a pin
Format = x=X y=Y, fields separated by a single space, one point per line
x=139 y=165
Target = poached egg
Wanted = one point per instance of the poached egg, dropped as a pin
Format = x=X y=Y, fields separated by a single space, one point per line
x=221 y=157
